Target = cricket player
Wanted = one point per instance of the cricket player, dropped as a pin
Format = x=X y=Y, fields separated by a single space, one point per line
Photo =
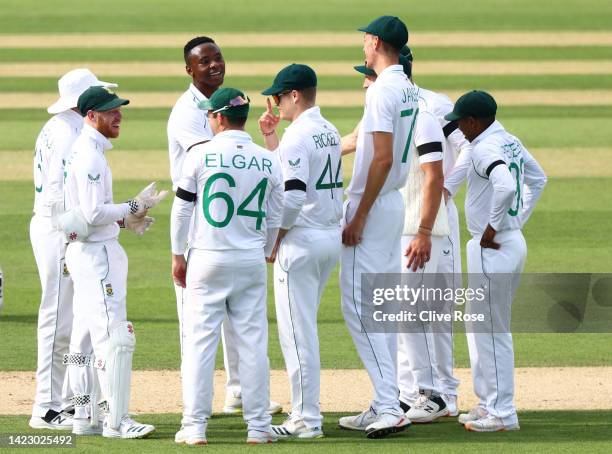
x=374 y=215
x=188 y=126
x=309 y=155
x=504 y=184
x=48 y=243
x=99 y=267
x=233 y=189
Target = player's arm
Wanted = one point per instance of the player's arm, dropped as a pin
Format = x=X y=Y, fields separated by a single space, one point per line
x=378 y=121
x=268 y=122
x=55 y=166
x=187 y=130
x=495 y=169
x=458 y=174
x=274 y=212
x=349 y=141
x=534 y=182
x=428 y=138
x=180 y=219
x=90 y=178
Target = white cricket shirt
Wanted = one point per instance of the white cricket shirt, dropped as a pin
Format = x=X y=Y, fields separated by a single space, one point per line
x=495 y=144
x=89 y=185
x=310 y=152
x=52 y=150
x=391 y=106
x=239 y=192
x=188 y=125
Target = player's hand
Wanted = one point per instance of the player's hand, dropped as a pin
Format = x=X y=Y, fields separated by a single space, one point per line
x=351 y=235
x=268 y=120
x=419 y=251
x=487 y=238
x=138 y=225
x=147 y=198
x=274 y=252
x=179 y=270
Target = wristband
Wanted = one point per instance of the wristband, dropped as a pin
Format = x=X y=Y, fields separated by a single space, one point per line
x=267 y=133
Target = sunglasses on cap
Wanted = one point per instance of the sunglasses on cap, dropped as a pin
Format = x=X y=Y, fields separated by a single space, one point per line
x=236 y=102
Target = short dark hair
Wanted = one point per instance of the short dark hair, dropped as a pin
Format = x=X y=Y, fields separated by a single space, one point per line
x=309 y=94
x=194 y=43
x=236 y=122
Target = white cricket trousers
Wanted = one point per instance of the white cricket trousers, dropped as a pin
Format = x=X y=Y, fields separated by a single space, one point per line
x=378 y=252
x=54 y=315
x=491 y=353
x=425 y=359
x=305 y=259
x=220 y=282
x=99 y=272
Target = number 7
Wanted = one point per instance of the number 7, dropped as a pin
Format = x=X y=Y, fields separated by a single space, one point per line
x=407 y=113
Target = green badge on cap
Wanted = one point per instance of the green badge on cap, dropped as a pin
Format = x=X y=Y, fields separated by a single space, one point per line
x=388 y=28
x=292 y=77
x=230 y=102
x=100 y=99
x=476 y=103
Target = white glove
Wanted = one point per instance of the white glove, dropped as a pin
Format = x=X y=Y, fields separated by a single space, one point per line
x=148 y=198
x=139 y=225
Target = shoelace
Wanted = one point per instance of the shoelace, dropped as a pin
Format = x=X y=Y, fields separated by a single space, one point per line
x=421 y=402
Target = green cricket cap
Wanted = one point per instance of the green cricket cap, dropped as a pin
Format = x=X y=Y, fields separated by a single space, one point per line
x=100 y=99
x=388 y=28
x=229 y=102
x=476 y=103
x=292 y=77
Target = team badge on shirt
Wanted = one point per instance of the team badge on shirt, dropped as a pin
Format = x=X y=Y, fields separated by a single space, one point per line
x=109 y=289
x=65 y=271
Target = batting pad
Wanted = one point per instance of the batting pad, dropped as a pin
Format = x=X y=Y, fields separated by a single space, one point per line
x=121 y=347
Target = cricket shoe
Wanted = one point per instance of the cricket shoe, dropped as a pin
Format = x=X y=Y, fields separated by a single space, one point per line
x=257 y=437
x=474 y=414
x=52 y=420
x=387 y=424
x=404 y=406
x=128 y=428
x=185 y=436
x=296 y=428
x=358 y=422
x=490 y=424
x=451 y=404
x=233 y=405
x=82 y=426
x=427 y=409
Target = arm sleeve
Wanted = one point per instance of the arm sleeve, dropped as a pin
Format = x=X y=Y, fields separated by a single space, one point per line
x=295 y=169
x=457 y=176
x=503 y=193
x=274 y=204
x=428 y=138
x=534 y=182
x=183 y=206
x=57 y=159
x=90 y=179
x=380 y=110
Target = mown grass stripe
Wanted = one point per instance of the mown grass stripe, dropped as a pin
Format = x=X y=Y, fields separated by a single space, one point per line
x=555 y=38
x=337 y=98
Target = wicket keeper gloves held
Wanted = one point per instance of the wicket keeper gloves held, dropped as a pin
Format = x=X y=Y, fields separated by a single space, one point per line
x=148 y=198
x=138 y=225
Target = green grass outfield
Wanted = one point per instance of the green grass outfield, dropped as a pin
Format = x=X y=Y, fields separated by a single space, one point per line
x=560 y=432
x=569 y=231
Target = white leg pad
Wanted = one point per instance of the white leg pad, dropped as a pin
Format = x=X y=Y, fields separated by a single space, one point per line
x=121 y=347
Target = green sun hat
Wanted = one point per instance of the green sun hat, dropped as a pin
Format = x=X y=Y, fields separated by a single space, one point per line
x=229 y=102
x=100 y=99
x=476 y=103
x=388 y=28
x=292 y=77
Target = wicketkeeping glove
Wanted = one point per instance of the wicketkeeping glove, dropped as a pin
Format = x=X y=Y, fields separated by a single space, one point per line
x=148 y=198
x=139 y=225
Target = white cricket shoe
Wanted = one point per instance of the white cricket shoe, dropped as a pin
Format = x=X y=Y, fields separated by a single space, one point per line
x=183 y=436
x=489 y=424
x=451 y=404
x=358 y=422
x=82 y=426
x=296 y=428
x=127 y=429
x=387 y=424
x=474 y=414
x=427 y=409
x=233 y=405
x=257 y=437
x=52 y=420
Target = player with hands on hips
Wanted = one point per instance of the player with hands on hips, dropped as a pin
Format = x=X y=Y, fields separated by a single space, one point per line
x=102 y=340
x=233 y=188
x=309 y=155
x=504 y=183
